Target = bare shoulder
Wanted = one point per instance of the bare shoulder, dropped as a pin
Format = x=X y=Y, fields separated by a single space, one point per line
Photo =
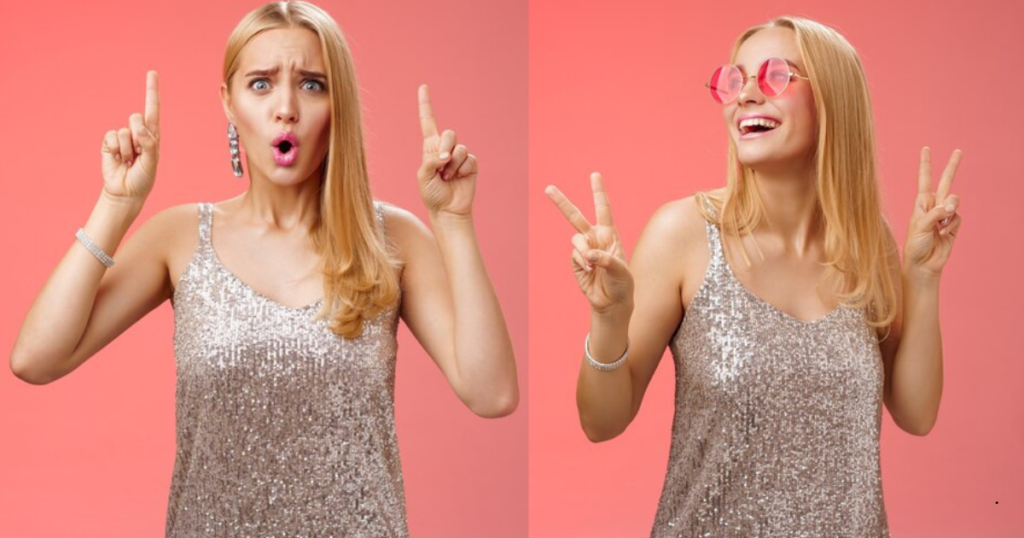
x=674 y=244
x=404 y=230
x=175 y=231
x=676 y=225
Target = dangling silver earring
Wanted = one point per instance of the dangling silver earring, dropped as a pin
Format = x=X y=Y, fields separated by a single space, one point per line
x=236 y=161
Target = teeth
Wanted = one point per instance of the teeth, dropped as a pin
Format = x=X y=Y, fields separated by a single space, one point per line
x=746 y=125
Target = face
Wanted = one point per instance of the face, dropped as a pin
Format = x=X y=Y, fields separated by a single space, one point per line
x=281 y=87
x=791 y=144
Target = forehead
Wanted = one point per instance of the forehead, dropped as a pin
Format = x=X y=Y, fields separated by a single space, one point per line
x=293 y=47
x=775 y=42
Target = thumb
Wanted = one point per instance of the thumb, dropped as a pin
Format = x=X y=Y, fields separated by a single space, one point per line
x=615 y=267
x=933 y=217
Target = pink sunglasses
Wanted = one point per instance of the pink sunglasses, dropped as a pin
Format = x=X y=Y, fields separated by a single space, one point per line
x=772 y=79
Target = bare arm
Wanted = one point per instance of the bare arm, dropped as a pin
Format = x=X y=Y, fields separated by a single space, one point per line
x=84 y=305
x=450 y=306
x=448 y=300
x=915 y=389
x=642 y=301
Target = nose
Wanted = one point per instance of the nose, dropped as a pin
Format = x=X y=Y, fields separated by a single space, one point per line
x=749 y=92
x=286 y=110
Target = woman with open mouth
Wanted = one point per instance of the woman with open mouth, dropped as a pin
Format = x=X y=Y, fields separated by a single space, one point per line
x=783 y=359
x=286 y=298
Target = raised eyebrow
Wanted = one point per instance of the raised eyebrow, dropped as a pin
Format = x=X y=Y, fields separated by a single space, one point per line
x=268 y=72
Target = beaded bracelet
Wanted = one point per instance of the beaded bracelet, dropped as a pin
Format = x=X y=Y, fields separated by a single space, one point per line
x=96 y=251
x=600 y=365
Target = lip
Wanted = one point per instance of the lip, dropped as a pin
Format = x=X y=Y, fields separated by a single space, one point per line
x=286 y=135
x=758 y=134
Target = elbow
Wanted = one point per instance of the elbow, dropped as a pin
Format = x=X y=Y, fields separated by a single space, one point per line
x=496 y=405
x=597 y=435
x=598 y=432
x=22 y=369
x=920 y=429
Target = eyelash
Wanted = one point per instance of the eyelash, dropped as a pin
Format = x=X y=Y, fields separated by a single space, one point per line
x=321 y=84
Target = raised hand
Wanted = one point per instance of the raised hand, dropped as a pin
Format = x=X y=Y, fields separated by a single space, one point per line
x=597 y=258
x=447 y=177
x=933 y=227
x=130 y=155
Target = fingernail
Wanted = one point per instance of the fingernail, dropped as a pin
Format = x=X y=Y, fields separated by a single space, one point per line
x=443 y=156
x=949 y=208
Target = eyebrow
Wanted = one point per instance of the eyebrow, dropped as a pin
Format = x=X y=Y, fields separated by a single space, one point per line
x=791 y=64
x=303 y=72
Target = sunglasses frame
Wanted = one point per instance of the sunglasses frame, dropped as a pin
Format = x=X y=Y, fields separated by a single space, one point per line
x=790 y=73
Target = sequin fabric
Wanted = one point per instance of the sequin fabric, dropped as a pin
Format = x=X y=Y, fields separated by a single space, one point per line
x=284 y=429
x=777 y=420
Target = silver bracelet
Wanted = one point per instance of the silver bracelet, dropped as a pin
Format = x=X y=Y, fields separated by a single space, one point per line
x=96 y=251
x=600 y=365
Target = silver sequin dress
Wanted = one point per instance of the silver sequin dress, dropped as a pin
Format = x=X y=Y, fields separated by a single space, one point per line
x=777 y=420
x=284 y=429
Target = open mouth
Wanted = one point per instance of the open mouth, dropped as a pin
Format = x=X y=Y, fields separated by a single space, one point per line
x=284 y=147
x=756 y=129
x=754 y=126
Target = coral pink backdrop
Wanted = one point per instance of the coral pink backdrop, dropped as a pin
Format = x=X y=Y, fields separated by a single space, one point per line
x=618 y=87
x=91 y=454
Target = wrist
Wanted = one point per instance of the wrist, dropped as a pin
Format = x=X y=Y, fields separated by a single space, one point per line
x=920 y=277
x=444 y=218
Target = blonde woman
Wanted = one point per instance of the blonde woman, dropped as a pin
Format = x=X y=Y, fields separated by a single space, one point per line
x=286 y=298
x=783 y=300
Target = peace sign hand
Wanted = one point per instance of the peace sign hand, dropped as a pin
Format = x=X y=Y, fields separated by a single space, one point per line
x=447 y=176
x=130 y=155
x=597 y=259
x=933 y=225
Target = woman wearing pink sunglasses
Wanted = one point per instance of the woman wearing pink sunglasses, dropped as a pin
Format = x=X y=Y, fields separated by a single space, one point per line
x=784 y=359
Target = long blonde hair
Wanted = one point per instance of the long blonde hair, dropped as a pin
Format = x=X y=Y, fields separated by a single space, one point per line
x=847 y=175
x=360 y=272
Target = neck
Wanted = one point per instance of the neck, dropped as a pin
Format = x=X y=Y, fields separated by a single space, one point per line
x=790 y=200
x=281 y=208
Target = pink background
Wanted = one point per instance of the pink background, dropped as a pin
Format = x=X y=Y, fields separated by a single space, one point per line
x=91 y=455
x=618 y=87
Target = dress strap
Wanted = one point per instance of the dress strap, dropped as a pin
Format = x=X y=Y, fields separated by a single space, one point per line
x=205 y=223
x=714 y=233
x=378 y=207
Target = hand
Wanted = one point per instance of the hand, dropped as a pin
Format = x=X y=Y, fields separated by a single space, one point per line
x=597 y=257
x=447 y=176
x=130 y=155
x=932 y=228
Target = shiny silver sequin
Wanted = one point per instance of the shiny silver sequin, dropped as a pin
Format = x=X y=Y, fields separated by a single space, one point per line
x=777 y=420
x=284 y=429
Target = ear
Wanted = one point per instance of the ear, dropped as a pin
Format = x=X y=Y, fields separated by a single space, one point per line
x=225 y=100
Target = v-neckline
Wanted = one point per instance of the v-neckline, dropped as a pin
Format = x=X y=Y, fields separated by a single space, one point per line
x=757 y=299
x=231 y=274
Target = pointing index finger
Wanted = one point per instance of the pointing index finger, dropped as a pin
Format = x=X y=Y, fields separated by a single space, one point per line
x=568 y=209
x=427 y=123
x=152 y=114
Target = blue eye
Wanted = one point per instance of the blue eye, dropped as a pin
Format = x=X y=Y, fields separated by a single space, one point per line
x=320 y=87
